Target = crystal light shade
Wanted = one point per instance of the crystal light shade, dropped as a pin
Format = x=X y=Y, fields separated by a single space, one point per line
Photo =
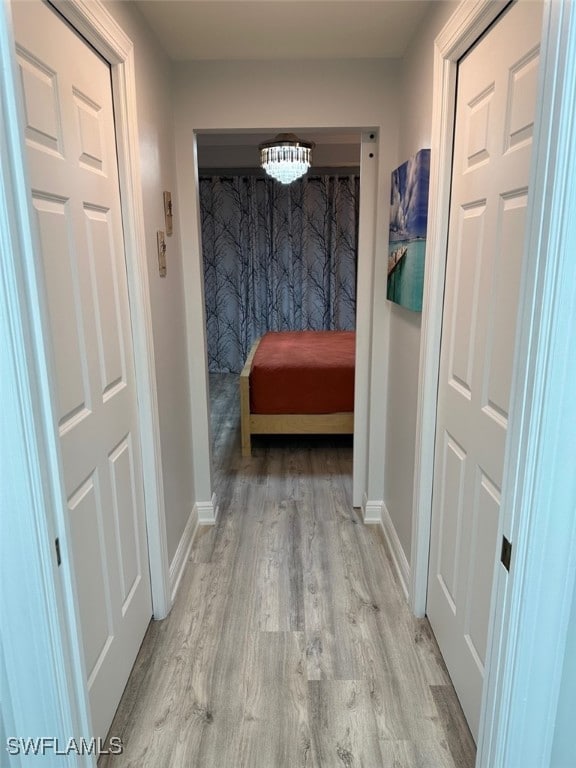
x=286 y=157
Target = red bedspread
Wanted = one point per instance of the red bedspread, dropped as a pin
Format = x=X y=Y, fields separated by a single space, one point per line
x=303 y=372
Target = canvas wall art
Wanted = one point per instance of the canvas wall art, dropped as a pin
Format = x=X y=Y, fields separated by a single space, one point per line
x=407 y=238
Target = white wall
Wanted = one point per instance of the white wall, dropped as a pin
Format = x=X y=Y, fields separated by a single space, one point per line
x=293 y=94
x=564 y=746
x=246 y=155
x=157 y=157
x=297 y=95
x=415 y=116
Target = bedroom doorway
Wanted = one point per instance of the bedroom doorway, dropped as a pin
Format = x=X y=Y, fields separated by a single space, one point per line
x=258 y=275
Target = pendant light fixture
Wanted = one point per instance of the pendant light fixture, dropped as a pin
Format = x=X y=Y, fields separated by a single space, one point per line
x=286 y=157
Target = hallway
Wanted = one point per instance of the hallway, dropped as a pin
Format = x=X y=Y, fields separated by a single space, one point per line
x=290 y=643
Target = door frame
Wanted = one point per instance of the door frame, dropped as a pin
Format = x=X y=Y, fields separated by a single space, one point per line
x=53 y=611
x=370 y=412
x=520 y=697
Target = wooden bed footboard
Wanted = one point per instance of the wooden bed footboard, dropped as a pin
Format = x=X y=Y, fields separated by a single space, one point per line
x=245 y=401
x=284 y=423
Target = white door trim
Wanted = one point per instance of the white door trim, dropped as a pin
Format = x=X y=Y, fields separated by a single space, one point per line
x=189 y=227
x=364 y=418
x=528 y=636
x=520 y=697
x=94 y=22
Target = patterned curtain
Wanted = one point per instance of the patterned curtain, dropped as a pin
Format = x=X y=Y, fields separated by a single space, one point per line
x=276 y=258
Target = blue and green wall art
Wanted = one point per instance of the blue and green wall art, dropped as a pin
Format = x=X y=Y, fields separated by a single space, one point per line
x=408 y=224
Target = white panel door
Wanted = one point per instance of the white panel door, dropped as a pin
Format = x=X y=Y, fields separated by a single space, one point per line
x=71 y=151
x=496 y=99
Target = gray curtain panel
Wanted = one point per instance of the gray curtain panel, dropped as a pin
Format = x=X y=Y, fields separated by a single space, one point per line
x=276 y=258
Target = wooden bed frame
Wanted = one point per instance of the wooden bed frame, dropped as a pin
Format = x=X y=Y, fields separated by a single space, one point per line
x=284 y=423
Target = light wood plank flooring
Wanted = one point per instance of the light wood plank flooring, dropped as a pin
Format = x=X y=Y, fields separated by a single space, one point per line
x=290 y=644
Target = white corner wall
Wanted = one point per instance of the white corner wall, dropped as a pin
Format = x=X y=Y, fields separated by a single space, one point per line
x=271 y=96
x=158 y=173
x=415 y=116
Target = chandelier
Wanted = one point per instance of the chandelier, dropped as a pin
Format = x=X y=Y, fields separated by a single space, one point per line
x=286 y=157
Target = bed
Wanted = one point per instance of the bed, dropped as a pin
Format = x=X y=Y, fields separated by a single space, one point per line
x=298 y=382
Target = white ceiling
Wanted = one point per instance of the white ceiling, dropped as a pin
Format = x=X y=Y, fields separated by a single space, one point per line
x=283 y=29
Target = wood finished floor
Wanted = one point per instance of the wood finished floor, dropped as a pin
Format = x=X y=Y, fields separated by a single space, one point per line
x=290 y=644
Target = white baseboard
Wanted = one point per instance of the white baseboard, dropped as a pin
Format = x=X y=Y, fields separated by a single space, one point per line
x=396 y=551
x=203 y=513
x=207 y=511
x=376 y=513
x=372 y=511
x=180 y=559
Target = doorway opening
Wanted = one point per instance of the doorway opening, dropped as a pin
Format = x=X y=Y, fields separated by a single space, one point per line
x=285 y=258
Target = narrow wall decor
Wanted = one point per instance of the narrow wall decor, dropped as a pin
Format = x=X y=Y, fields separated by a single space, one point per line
x=161 y=242
x=168 y=212
x=407 y=237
